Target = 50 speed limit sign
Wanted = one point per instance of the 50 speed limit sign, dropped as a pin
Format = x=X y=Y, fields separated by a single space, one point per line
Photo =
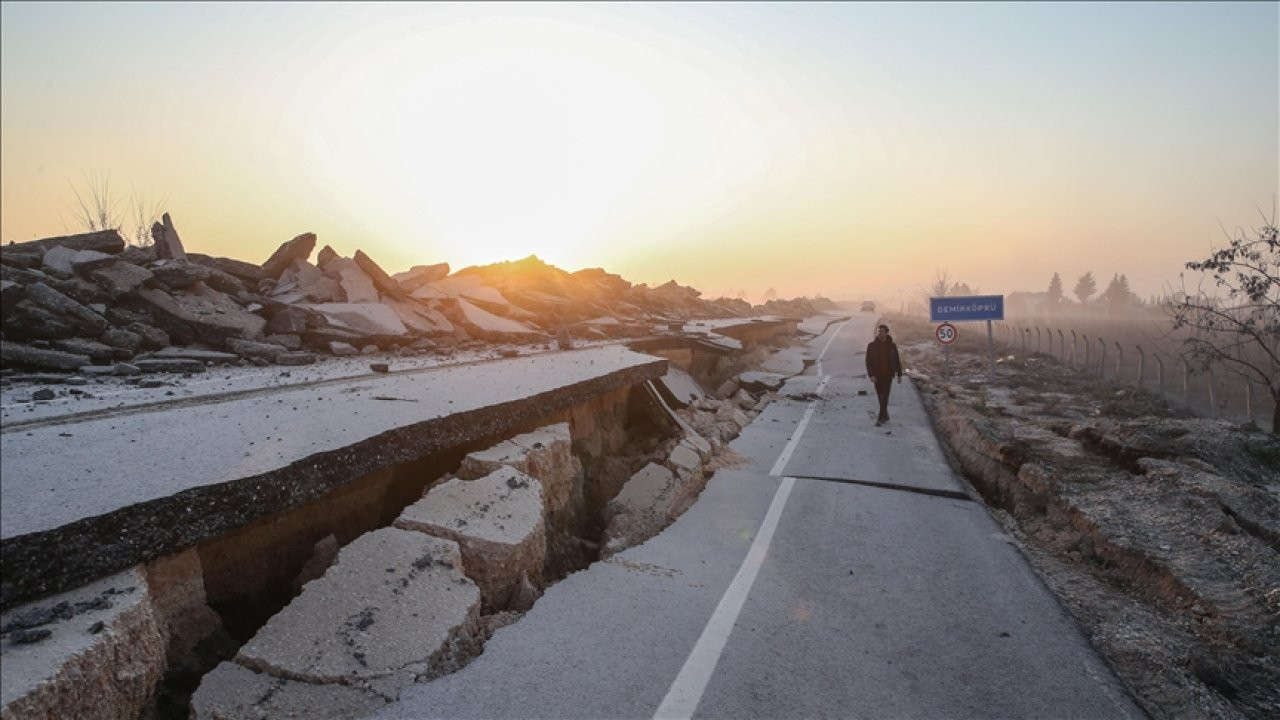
x=946 y=333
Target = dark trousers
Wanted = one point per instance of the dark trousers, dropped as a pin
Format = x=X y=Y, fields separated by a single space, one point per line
x=882 y=391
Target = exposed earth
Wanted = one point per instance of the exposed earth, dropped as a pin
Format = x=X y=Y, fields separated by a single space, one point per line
x=1159 y=531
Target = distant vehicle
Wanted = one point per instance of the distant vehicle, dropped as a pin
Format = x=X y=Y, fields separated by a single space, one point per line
x=868 y=306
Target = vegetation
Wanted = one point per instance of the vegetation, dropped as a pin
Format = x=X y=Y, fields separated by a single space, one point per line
x=97 y=208
x=1238 y=326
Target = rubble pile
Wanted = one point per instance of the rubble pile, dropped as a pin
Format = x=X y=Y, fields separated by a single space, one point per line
x=89 y=303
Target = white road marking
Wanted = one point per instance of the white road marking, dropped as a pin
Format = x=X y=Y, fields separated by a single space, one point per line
x=686 y=690
x=795 y=440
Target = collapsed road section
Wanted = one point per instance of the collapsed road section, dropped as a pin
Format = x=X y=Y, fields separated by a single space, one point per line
x=144 y=545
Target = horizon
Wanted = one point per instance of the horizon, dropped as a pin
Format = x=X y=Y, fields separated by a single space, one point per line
x=844 y=151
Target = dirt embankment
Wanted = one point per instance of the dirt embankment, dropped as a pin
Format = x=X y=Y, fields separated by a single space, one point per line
x=1159 y=531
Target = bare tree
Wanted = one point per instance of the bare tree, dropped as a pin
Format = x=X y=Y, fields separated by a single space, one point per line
x=941 y=286
x=1237 y=328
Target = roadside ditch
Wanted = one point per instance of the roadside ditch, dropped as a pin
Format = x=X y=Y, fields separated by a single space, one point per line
x=1158 y=530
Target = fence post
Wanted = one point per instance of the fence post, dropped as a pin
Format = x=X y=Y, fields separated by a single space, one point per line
x=1248 y=399
x=1159 y=373
x=1037 y=338
x=1102 y=358
x=1213 y=406
x=1071 y=363
x=1142 y=363
x=1186 y=383
x=1087 y=349
x=1062 y=345
x=1119 y=358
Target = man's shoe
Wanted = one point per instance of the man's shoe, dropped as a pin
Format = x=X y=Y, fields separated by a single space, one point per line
x=879 y=423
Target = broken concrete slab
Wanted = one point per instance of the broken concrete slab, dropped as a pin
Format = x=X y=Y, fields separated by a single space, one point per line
x=363 y=319
x=384 y=282
x=106 y=241
x=685 y=458
x=176 y=274
x=298 y=248
x=756 y=381
x=304 y=281
x=234 y=692
x=419 y=317
x=97 y=352
x=101 y=652
x=247 y=273
x=260 y=350
x=388 y=609
x=64 y=261
x=499 y=521
x=18 y=355
x=639 y=510
x=357 y=286
x=119 y=278
x=191 y=353
x=483 y=323
x=679 y=388
x=418 y=275
x=470 y=287
x=167 y=244
x=200 y=314
x=160 y=365
x=545 y=454
x=83 y=320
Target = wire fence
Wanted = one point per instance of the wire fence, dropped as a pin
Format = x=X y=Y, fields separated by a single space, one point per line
x=1143 y=353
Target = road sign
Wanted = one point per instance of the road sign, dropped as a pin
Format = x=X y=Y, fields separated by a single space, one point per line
x=946 y=333
x=969 y=307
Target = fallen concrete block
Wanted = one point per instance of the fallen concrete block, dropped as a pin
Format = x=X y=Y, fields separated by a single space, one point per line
x=545 y=454
x=251 y=349
x=498 y=520
x=94 y=652
x=298 y=248
x=388 y=610
x=639 y=511
x=234 y=692
x=157 y=365
x=678 y=388
x=18 y=355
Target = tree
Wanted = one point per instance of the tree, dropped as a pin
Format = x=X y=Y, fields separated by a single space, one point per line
x=941 y=286
x=1086 y=286
x=1238 y=328
x=1055 y=296
x=1117 y=293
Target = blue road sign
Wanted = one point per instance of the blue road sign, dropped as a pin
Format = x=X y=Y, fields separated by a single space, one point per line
x=971 y=307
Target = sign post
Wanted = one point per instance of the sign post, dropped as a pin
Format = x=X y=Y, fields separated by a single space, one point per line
x=946 y=334
x=946 y=310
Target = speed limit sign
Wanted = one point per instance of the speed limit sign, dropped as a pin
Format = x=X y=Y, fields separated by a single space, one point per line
x=946 y=333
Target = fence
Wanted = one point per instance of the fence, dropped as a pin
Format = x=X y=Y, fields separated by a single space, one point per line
x=1143 y=354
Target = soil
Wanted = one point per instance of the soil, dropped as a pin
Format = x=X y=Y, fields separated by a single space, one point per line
x=1159 y=531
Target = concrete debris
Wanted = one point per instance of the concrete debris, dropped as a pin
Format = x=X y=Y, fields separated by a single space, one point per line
x=165 y=238
x=499 y=521
x=73 y=670
x=383 y=614
x=234 y=692
x=92 y=287
x=545 y=454
x=298 y=248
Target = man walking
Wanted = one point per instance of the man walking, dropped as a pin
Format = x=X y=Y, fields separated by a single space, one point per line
x=882 y=365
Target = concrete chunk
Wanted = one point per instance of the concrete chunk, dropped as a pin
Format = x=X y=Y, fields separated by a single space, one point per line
x=234 y=692
x=17 y=355
x=103 y=657
x=545 y=454
x=298 y=248
x=639 y=511
x=498 y=520
x=366 y=319
x=389 y=608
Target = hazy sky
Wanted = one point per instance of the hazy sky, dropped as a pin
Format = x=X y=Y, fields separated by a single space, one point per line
x=845 y=149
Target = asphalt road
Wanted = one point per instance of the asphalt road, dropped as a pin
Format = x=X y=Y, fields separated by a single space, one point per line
x=839 y=571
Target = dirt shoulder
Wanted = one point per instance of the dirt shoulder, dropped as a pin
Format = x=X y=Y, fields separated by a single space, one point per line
x=1159 y=531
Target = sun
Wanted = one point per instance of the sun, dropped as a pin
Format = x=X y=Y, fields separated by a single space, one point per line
x=510 y=151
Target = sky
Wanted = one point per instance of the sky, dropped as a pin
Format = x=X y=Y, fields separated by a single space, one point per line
x=853 y=150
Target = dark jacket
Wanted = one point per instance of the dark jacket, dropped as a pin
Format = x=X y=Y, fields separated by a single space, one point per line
x=882 y=359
